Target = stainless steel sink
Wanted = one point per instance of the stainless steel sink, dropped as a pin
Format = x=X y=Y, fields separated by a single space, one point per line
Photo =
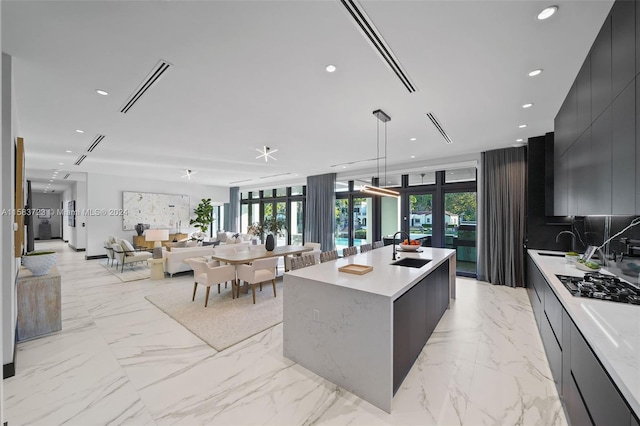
x=412 y=262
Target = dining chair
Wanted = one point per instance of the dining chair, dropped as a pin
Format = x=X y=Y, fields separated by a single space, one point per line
x=378 y=244
x=326 y=256
x=349 y=251
x=365 y=248
x=303 y=261
x=258 y=272
x=207 y=275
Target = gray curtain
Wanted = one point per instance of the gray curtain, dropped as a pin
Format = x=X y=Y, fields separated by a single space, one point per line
x=501 y=254
x=320 y=210
x=234 y=209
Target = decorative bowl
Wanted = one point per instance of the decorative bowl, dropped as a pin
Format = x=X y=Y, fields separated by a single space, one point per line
x=409 y=247
x=584 y=267
x=39 y=263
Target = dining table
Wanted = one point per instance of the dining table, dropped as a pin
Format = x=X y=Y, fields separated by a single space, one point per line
x=249 y=253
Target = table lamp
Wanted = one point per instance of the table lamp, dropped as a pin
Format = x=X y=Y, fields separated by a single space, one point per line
x=157 y=236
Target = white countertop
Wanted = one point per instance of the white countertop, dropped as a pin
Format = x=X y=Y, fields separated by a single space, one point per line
x=385 y=279
x=612 y=329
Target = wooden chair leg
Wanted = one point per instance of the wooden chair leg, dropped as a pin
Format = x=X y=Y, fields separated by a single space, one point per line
x=218 y=288
x=260 y=286
x=274 y=287
x=206 y=300
x=253 y=291
x=195 y=286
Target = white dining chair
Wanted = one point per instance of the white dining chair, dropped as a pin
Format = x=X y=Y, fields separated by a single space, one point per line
x=258 y=272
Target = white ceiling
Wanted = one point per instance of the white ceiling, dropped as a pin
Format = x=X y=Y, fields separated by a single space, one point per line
x=251 y=73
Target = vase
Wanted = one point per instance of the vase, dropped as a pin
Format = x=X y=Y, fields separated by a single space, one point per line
x=39 y=263
x=270 y=243
x=139 y=229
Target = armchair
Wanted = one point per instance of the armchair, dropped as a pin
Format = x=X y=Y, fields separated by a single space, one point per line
x=126 y=255
x=207 y=275
x=259 y=271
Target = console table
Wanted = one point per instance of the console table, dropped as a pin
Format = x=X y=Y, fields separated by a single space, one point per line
x=139 y=241
x=39 y=309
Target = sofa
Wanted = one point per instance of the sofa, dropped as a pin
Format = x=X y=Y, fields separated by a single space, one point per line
x=174 y=259
x=233 y=238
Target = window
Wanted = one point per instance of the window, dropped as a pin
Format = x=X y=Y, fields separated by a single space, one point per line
x=422 y=178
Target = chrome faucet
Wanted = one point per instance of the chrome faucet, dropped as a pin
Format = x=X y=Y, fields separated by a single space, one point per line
x=573 y=238
x=393 y=242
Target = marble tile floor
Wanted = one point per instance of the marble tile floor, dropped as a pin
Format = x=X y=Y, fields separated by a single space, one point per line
x=120 y=360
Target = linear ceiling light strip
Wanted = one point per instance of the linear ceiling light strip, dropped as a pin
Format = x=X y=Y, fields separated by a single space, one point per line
x=66 y=176
x=379 y=191
x=95 y=142
x=362 y=20
x=439 y=127
x=152 y=78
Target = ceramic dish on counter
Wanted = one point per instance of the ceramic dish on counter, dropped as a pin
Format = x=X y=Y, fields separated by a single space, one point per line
x=588 y=266
x=409 y=247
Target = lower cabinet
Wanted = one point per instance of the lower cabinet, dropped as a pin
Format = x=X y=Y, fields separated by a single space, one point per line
x=415 y=315
x=602 y=400
x=589 y=395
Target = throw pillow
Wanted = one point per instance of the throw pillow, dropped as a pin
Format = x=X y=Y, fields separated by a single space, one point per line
x=130 y=251
x=222 y=236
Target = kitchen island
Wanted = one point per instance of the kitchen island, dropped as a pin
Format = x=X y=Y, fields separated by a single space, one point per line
x=364 y=332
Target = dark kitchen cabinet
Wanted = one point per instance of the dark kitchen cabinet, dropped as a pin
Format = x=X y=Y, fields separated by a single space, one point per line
x=623 y=45
x=578 y=177
x=533 y=282
x=601 y=70
x=566 y=123
x=415 y=315
x=637 y=36
x=589 y=395
x=583 y=96
x=601 y=398
x=634 y=421
x=623 y=153
x=402 y=360
x=575 y=406
x=560 y=189
x=637 y=144
x=596 y=190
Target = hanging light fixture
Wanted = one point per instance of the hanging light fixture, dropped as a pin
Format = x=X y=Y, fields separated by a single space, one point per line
x=377 y=190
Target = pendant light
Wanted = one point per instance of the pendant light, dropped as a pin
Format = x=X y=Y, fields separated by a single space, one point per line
x=377 y=190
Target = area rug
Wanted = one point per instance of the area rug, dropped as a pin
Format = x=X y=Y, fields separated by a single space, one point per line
x=139 y=271
x=225 y=321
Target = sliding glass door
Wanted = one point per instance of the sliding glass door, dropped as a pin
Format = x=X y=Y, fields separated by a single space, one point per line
x=460 y=218
x=421 y=218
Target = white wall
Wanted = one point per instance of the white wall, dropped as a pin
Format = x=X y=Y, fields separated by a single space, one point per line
x=9 y=264
x=41 y=201
x=105 y=193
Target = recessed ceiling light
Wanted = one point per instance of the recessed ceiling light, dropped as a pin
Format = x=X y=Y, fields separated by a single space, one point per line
x=68 y=151
x=62 y=164
x=102 y=92
x=547 y=12
x=344 y=167
x=413 y=156
x=50 y=181
x=412 y=139
x=535 y=72
x=527 y=105
x=330 y=68
x=520 y=140
x=522 y=126
x=79 y=131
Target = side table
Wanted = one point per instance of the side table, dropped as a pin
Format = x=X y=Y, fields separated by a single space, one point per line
x=39 y=304
x=157 y=268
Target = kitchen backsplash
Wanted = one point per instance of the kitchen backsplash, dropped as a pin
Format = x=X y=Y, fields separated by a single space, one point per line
x=594 y=230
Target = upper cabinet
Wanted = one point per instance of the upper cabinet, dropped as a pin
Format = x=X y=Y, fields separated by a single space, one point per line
x=623 y=45
x=601 y=71
x=597 y=147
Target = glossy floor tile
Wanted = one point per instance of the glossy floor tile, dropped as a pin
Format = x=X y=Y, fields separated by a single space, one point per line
x=120 y=360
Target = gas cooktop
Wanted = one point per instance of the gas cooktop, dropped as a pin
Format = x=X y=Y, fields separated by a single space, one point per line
x=599 y=286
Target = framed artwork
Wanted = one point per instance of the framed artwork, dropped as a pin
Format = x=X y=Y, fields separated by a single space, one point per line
x=44 y=213
x=72 y=213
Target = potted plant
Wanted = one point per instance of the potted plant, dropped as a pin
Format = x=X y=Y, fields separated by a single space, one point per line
x=204 y=217
x=269 y=227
